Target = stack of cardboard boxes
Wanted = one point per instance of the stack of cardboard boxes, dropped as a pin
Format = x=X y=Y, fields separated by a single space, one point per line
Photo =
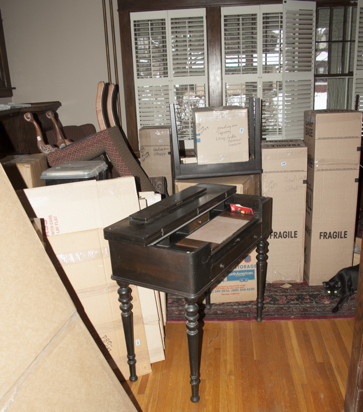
x=75 y=215
x=333 y=140
x=314 y=185
x=48 y=359
x=284 y=179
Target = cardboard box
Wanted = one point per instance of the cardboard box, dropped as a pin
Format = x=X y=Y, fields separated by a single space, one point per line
x=24 y=170
x=333 y=139
x=221 y=135
x=333 y=170
x=239 y=285
x=245 y=184
x=284 y=165
x=155 y=153
x=153 y=322
x=75 y=215
x=102 y=307
x=330 y=224
x=48 y=359
x=153 y=303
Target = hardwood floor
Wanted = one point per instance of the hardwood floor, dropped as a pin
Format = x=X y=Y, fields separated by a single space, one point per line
x=282 y=366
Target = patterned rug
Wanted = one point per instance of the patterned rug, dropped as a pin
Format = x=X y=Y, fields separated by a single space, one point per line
x=298 y=301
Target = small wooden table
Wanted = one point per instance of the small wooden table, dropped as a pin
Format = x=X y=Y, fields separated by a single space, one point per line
x=164 y=247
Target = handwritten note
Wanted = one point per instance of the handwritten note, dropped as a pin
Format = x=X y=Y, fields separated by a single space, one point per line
x=221 y=135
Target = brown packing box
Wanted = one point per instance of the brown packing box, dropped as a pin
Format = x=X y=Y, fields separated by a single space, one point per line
x=221 y=135
x=24 y=170
x=239 y=285
x=75 y=215
x=245 y=184
x=103 y=309
x=284 y=165
x=155 y=155
x=330 y=224
x=153 y=303
x=84 y=257
x=48 y=360
x=332 y=139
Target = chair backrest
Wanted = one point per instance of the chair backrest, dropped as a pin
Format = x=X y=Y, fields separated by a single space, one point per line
x=113 y=117
x=106 y=105
x=101 y=105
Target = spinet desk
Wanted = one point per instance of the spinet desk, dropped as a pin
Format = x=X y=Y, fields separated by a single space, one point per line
x=164 y=247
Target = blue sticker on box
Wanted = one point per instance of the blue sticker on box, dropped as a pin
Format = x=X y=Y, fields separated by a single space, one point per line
x=241 y=276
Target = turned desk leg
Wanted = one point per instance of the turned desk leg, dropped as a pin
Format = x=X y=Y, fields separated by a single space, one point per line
x=262 y=250
x=192 y=324
x=125 y=299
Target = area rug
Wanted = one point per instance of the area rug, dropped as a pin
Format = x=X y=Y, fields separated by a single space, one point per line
x=282 y=301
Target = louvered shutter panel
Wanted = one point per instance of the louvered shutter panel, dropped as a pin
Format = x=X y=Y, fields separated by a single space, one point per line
x=298 y=76
x=169 y=56
x=188 y=46
x=150 y=48
x=152 y=101
x=240 y=54
x=151 y=69
x=358 y=69
x=189 y=67
x=271 y=72
x=268 y=53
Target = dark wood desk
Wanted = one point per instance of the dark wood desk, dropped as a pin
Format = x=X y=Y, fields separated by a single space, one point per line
x=18 y=136
x=164 y=247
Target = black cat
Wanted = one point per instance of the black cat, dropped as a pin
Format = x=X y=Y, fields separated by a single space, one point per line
x=343 y=285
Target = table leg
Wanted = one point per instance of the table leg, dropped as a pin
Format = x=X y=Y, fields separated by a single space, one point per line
x=262 y=250
x=125 y=299
x=192 y=325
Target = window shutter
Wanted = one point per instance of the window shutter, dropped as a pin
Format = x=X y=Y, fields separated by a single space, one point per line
x=188 y=50
x=150 y=48
x=169 y=56
x=268 y=53
x=240 y=42
x=358 y=69
x=240 y=54
x=298 y=77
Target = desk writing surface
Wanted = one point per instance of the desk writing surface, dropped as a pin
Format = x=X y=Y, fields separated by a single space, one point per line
x=218 y=230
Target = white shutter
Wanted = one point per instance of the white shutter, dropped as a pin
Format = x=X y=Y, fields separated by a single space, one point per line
x=298 y=76
x=188 y=46
x=268 y=53
x=150 y=48
x=240 y=54
x=151 y=104
x=358 y=69
x=240 y=41
x=169 y=56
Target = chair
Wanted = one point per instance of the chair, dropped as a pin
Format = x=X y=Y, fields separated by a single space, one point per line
x=109 y=141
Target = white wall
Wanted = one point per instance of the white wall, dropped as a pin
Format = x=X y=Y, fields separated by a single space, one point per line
x=56 y=51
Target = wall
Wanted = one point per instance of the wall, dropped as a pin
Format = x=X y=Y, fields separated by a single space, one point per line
x=56 y=51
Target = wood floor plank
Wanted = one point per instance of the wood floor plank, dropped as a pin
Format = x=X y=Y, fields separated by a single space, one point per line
x=277 y=366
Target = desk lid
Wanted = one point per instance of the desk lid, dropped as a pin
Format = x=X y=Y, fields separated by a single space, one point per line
x=163 y=218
